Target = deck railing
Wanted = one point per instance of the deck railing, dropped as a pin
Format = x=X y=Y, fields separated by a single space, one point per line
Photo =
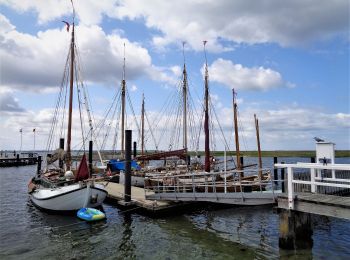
x=333 y=179
x=217 y=182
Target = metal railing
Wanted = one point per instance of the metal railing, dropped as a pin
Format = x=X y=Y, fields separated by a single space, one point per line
x=212 y=182
x=333 y=179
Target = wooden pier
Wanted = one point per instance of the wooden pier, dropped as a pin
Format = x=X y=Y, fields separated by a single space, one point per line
x=15 y=160
x=209 y=187
x=138 y=199
x=321 y=189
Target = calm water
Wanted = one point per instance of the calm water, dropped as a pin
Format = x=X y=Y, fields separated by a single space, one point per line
x=234 y=233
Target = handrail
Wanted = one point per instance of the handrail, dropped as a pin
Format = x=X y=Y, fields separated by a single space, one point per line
x=315 y=179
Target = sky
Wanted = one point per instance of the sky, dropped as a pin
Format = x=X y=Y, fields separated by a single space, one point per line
x=288 y=62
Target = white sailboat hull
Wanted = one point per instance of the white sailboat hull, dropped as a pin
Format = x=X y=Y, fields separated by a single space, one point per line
x=69 y=198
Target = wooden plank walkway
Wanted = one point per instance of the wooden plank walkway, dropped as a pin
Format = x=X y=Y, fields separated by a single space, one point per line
x=233 y=198
x=138 y=198
x=322 y=204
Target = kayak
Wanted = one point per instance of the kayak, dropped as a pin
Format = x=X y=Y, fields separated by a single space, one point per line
x=90 y=214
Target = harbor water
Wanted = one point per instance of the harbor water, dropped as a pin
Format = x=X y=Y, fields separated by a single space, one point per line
x=204 y=233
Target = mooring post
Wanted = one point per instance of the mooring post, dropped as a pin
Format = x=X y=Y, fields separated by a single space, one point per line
x=313 y=159
x=60 y=162
x=282 y=179
x=39 y=166
x=295 y=230
x=135 y=152
x=90 y=157
x=241 y=161
x=275 y=172
x=127 y=183
x=17 y=159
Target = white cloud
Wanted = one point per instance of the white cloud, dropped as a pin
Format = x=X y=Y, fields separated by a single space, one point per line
x=133 y=88
x=240 y=21
x=8 y=103
x=239 y=77
x=223 y=23
x=36 y=63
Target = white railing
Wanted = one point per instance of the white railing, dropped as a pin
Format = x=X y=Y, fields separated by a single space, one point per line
x=316 y=178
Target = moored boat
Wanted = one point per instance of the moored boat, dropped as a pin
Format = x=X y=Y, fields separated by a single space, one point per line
x=61 y=187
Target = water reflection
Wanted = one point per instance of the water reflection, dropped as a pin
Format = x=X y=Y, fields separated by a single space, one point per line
x=127 y=246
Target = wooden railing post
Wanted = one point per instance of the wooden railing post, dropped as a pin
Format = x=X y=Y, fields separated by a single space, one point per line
x=313 y=184
x=290 y=188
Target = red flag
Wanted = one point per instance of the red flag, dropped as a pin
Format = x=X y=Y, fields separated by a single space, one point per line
x=67 y=25
x=83 y=171
x=109 y=173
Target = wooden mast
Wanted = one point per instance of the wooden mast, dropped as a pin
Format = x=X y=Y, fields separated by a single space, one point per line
x=239 y=166
x=123 y=108
x=70 y=109
x=143 y=125
x=206 y=114
x=258 y=142
x=184 y=92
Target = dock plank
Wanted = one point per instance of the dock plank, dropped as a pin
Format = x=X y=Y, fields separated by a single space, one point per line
x=116 y=193
x=321 y=204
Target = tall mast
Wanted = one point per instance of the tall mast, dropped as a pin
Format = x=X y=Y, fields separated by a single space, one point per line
x=184 y=92
x=143 y=125
x=206 y=114
x=258 y=142
x=123 y=107
x=71 y=81
x=239 y=166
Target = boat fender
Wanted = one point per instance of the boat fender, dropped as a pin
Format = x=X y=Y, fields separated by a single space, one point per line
x=93 y=199
x=31 y=186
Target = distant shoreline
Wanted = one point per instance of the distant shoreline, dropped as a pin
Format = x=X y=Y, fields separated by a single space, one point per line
x=277 y=153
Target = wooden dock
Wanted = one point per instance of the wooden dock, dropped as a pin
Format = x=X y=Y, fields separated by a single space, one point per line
x=19 y=160
x=321 y=204
x=320 y=189
x=138 y=199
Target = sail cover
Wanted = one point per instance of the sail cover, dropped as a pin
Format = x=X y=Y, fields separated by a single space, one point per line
x=83 y=171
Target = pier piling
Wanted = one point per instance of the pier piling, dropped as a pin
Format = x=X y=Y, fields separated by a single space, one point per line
x=295 y=230
x=282 y=179
x=135 y=151
x=39 y=166
x=275 y=172
x=127 y=183
x=60 y=163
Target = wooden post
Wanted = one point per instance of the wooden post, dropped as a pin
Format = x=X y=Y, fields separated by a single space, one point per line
x=258 y=142
x=239 y=165
x=70 y=113
x=60 y=162
x=135 y=151
x=282 y=179
x=127 y=183
x=312 y=178
x=275 y=171
x=206 y=116
x=39 y=166
x=313 y=159
x=295 y=230
x=290 y=188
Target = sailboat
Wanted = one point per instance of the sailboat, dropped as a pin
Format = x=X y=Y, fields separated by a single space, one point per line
x=63 y=188
x=209 y=174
